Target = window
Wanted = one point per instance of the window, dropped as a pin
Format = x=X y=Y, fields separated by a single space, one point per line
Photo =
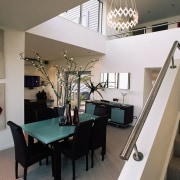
x=88 y=14
x=77 y=89
x=160 y=27
x=139 y=31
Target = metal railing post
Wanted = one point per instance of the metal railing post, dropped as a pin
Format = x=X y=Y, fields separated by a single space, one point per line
x=138 y=156
x=131 y=142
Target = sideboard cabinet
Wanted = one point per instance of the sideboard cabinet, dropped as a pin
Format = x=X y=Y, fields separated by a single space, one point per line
x=119 y=114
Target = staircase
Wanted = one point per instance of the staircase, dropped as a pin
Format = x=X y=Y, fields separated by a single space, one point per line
x=173 y=172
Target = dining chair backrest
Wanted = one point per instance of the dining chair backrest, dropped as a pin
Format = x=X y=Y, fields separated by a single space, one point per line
x=98 y=136
x=78 y=146
x=81 y=138
x=26 y=155
x=59 y=111
x=99 y=132
x=19 y=142
x=44 y=113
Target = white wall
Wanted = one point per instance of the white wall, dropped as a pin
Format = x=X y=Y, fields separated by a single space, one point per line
x=157 y=136
x=66 y=31
x=134 y=54
x=14 y=82
x=29 y=69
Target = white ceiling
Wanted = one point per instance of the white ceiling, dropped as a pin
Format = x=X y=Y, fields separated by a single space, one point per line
x=24 y=14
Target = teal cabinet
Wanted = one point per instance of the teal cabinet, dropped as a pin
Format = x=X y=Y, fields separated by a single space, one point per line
x=122 y=115
x=90 y=107
x=117 y=115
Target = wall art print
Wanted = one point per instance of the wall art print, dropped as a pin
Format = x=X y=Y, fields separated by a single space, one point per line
x=2 y=67
x=2 y=106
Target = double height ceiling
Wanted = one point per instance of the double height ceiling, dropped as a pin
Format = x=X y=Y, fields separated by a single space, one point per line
x=23 y=15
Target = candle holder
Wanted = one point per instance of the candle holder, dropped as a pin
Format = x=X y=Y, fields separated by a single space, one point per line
x=124 y=93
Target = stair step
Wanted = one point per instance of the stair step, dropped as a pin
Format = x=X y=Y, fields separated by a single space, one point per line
x=173 y=172
x=177 y=146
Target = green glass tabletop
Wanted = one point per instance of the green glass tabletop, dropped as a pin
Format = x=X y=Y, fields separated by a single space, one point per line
x=86 y=116
x=48 y=131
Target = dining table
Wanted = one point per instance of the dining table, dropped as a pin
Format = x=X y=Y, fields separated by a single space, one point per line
x=51 y=131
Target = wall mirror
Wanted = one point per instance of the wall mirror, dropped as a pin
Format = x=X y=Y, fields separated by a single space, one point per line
x=116 y=80
x=104 y=77
x=124 y=80
x=112 y=80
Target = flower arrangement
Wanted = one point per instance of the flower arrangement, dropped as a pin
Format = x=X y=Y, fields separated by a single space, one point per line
x=67 y=76
x=95 y=88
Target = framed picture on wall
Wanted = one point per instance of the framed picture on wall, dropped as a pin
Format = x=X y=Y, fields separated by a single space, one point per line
x=2 y=106
x=2 y=68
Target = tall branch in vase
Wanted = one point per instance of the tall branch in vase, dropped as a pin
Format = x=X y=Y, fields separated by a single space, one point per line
x=67 y=76
x=37 y=62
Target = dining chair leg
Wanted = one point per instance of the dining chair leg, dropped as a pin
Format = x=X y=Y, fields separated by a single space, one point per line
x=16 y=169
x=73 y=166
x=87 y=162
x=47 y=161
x=57 y=164
x=25 y=173
x=103 y=152
x=92 y=158
x=52 y=159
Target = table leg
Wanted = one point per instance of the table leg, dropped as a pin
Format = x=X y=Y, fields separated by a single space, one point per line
x=57 y=163
x=30 y=140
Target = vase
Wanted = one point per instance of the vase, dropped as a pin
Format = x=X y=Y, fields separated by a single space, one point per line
x=76 y=116
x=92 y=97
x=60 y=110
x=59 y=103
x=67 y=114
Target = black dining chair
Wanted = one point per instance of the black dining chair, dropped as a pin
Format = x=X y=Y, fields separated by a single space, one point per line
x=98 y=137
x=59 y=111
x=77 y=147
x=26 y=155
x=44 y=113
x=100 y=110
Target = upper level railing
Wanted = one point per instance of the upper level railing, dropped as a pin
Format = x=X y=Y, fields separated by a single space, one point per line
x=131 y=142
x=143 y=30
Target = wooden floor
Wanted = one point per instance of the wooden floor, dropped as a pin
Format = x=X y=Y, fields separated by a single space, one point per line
x=109 y=169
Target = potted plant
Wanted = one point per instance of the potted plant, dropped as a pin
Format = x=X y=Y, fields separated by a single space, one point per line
x=96 y=88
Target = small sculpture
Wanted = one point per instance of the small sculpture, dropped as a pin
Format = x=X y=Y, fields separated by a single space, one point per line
x=41 y=95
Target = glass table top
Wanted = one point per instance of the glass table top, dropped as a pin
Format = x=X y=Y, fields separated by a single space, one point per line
x=48 y=131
